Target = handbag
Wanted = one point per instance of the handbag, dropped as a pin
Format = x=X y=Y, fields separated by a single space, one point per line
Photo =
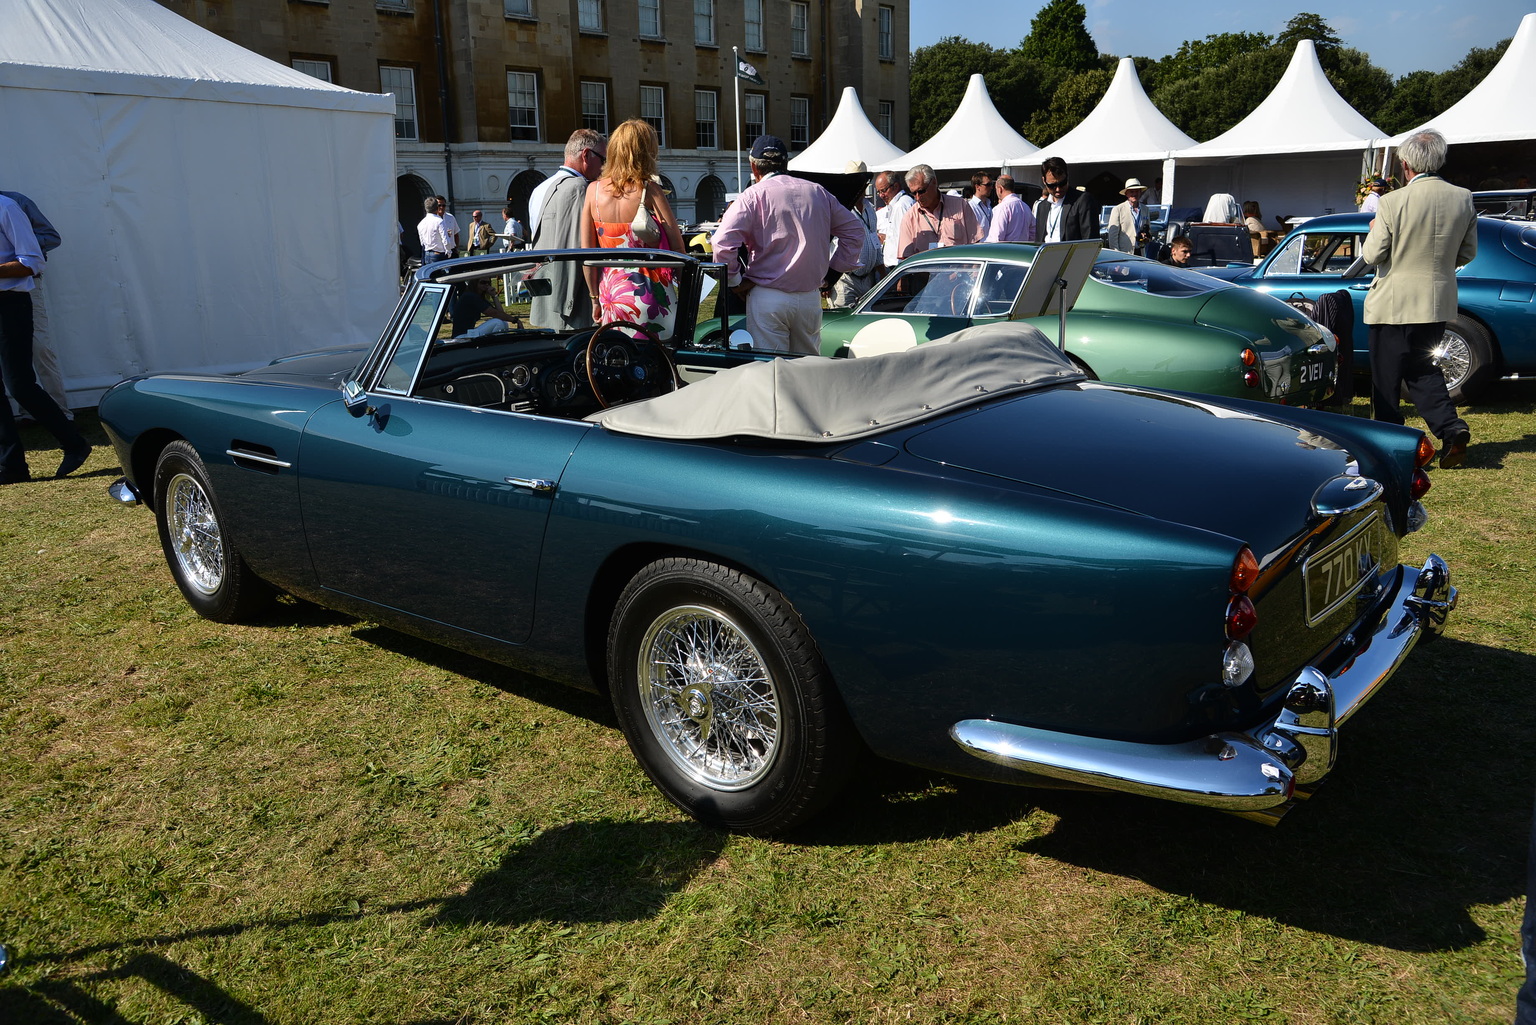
x=645 y=228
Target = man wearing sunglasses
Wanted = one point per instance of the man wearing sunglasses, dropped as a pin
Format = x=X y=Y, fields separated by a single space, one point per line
x=1063 y=214
x=935 y=220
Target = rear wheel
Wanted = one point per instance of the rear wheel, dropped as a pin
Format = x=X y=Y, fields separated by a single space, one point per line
x=724 y=698
x=205 y=564
x=1464 y=355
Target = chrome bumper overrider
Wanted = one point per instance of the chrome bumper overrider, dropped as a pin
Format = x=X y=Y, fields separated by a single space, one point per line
x=1256 y=770
x=121 y=490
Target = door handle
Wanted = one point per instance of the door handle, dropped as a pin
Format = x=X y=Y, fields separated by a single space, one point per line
x=535 y=484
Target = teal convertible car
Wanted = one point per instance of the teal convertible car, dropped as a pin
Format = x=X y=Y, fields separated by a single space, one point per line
x=967 y=555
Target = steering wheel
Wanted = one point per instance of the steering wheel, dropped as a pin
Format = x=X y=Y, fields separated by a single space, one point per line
x=625 y=362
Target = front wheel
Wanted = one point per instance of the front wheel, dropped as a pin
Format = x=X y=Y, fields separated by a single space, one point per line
x=211 y=574
x=724 y=699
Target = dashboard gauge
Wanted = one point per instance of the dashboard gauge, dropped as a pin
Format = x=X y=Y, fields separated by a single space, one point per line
x=519 y=376
x=613 y=356
x=563 y=385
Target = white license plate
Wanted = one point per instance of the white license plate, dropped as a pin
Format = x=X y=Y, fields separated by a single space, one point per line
x=1335 y=574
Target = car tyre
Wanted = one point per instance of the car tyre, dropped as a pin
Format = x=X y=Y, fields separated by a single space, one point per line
x=724 y=698
x=203 y=559
x=1465 y=356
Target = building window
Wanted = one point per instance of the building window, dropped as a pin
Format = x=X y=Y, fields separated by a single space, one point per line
x=594 y=106
x=800 y=29
x=706 y=108
x=402 y=83
x=653 y=111
x=315 y=69
x=887 y=116
x=754 y=116
x=704 y=22
x=799 y=122
x=393 y=5
x=650 y=19
x=887 y=33
x=523 y=105
x=517 y=8
x=752 y=12
x=589 y=15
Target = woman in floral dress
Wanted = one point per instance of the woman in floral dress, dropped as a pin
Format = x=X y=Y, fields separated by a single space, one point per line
x=611 y=219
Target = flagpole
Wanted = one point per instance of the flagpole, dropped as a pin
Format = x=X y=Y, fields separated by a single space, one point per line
x=736 y=93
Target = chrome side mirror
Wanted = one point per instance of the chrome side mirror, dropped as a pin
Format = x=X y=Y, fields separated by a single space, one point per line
x=355 y=398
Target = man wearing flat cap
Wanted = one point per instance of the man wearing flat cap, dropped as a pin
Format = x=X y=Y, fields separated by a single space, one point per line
x=787 y=225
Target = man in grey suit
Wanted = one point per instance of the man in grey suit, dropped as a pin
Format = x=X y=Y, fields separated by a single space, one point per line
x=568 y=306
x=1420 y=235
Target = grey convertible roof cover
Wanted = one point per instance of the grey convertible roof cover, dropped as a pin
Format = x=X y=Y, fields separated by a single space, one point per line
x=820 y=399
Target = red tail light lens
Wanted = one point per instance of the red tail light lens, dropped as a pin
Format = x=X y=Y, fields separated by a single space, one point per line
x=1245 y=570
x=1242 y=617
x=1424 y=454
x=1251 y=378
x=1419 y=487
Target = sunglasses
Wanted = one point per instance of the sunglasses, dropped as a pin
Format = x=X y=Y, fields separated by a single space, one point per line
x=1060 y=186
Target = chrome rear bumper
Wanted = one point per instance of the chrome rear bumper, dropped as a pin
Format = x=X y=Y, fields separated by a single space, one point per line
x=123 y=491
x=1250 y=771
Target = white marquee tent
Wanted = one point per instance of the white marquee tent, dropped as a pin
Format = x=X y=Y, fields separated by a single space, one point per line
x=848 y=136
x=975 y=136
x=217 y=209
x=1303 y=149
x=1124 y=128
x=1499 y=108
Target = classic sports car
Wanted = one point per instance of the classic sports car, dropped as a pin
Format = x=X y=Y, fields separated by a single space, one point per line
x=1136 y=322
x=966 y=556
x=1494 y=332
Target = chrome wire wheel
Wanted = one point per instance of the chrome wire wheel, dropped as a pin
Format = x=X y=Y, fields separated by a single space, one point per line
x=709 y=697
x=1453 y=355
x=195 y=537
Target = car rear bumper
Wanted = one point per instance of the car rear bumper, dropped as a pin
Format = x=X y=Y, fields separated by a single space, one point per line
x=1257 y=772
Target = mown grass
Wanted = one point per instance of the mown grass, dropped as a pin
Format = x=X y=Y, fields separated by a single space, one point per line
x=318 y=820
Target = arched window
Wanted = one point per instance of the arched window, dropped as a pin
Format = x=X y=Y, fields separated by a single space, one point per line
x=709 y=199
x=518 y=191
x=411 y=192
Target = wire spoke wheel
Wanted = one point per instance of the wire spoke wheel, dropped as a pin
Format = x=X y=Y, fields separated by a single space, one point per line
x=196 y=540
x=709 y=697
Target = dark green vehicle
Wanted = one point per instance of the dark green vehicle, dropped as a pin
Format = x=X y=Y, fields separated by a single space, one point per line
x=1136 y=322
x=966 y=556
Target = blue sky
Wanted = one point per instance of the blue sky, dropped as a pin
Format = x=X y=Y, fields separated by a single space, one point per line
x=1422 y=35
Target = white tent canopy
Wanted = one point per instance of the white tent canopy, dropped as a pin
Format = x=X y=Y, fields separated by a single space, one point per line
x=1499 y=108
x=976 y=136
x=1124 y=127
x=217 y=209
x=848 y=136
x=1302 y=114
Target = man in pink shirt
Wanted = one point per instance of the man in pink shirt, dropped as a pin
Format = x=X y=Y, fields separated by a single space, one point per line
x=787 y=226
x=934 y=220
x=1012 y=220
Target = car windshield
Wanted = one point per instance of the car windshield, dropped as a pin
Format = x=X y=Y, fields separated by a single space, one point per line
x=1317 y=252
x=1154 y=278
x=929 y=289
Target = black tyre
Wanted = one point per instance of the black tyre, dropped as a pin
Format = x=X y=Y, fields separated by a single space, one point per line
x=1465 y=356
x=209 y=570
x=724 y=699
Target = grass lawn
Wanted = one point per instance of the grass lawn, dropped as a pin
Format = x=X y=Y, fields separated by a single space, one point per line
x=319 y=820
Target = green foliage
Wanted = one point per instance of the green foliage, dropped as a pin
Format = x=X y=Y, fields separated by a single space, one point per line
x=1197 y=56
x=1074 y=99
x=1464 y=77
x=1308 y=26
x=1058 y=38
x=1411 y=104
x=939 y=76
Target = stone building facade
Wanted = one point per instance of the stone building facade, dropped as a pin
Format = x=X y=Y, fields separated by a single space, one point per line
x=487 y=91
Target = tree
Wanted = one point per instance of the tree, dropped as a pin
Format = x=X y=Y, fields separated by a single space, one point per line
x=1464 y=77
x=1308 y=26
x=1411 y=104
x=1072 y=100
x=939 y=76
x=1213 y=51
x=1058 y=38
x=1362 y=84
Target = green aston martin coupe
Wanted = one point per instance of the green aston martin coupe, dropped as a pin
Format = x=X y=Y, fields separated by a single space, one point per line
x=1136 y=322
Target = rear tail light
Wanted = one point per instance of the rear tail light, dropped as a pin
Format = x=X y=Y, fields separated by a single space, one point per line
x=1249 y=358
x=1425 y=453
x=1245 y=570
x=1251 y=378
x=1241 y=617
x=1419 y=486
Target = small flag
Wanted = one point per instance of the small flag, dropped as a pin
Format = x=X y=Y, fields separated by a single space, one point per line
x=748 y=72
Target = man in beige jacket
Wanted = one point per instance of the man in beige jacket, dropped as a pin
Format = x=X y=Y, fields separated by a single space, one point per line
x=1420 y=235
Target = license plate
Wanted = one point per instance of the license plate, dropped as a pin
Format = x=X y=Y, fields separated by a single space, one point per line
x=1336 y=574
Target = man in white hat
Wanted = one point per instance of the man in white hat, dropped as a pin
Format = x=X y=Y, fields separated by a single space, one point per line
x=1128 y=223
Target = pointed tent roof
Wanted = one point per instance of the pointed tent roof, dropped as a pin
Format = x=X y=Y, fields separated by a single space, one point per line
x=848 y=136
x=140 y=48
x=1124 y=126
x=1302 y=114
x=1498 y=108
x=975 y=136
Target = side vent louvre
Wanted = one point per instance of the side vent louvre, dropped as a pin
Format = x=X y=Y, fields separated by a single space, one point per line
x=251 y=456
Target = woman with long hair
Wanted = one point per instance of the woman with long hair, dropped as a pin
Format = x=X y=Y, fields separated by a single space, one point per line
x=626 y=208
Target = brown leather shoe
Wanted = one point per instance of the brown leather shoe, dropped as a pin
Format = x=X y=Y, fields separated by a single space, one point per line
x=1455 y=450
